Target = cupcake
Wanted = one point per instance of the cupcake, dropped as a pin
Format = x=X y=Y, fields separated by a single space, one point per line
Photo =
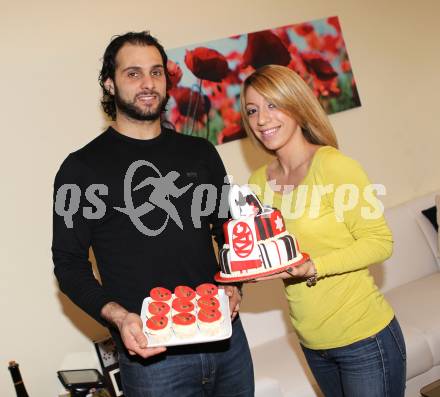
x=184 y=325
x=209 y=321
x=183 y=291
x=158 y=309
x=208 y=302
x=207 y=289
x=159 y=328
x=181 y=305
x=161 y=294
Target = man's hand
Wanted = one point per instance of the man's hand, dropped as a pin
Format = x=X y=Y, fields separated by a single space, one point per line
x=134 y=339
x=130 y=328
x=234 y=295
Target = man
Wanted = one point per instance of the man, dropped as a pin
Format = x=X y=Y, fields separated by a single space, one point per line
x=133 y=194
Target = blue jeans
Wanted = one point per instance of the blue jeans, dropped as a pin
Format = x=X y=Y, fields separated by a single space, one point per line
x=372 y=367
x=221 y=368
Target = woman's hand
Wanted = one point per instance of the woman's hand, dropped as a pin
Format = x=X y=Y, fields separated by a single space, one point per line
x=305 y=270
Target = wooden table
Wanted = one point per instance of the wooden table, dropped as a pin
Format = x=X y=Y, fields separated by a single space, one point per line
x=431 y=390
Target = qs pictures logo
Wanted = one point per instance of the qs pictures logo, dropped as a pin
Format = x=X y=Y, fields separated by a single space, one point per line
x=162 y=189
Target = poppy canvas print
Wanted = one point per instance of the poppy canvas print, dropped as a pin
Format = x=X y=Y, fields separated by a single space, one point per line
x=206 y=77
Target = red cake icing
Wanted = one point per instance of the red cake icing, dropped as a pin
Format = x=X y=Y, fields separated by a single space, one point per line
x=207 y=289
x=184 y=319
x=182 y=291
x=209 y=315
x=183 y=305
x=157 y=323
x=208 y=302
x=159 y=308
x=160 y=294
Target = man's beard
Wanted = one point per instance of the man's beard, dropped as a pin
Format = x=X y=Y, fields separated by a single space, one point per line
x=134 y=112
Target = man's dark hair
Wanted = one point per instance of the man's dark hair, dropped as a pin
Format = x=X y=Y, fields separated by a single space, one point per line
x=109 y=63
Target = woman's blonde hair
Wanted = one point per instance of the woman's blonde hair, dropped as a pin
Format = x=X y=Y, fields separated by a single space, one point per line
x=285 y=89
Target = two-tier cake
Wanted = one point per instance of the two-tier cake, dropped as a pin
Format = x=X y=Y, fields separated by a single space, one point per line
x=257 y=243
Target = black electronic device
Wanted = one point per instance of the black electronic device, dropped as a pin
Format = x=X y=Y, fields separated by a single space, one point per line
x=80 y=381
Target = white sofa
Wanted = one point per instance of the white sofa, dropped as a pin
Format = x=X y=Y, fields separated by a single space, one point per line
x=410 y=280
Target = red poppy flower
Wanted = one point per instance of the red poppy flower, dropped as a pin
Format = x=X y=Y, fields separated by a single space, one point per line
x=264 y=48
x=330 y=43
x=313 y=41
x=175 y=73
x=318 y=65
x=303 y=29
x=297 y=65
x=176 y=118
x=327 y=88
x=190 y=103
x=207 y=64
x=283 y=35
x=334 y=21
x=234 y=56
x=230 y=133
x=293 y=49
x=230 y=115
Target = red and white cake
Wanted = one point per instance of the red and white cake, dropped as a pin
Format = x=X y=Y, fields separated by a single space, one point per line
x=256 y=240
x=209 y=321
x=184 y=325
x=159 y=327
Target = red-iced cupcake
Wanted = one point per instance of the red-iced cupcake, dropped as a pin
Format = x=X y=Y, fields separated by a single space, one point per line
x=208 y=302
x=181 y=305
x=183 y=291
x=159 y=328
x=207 y=289
x=209 y=321
x=158 y=309
x=161 y=294
x=184 y=325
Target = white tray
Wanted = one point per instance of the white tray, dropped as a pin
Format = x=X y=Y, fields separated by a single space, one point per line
x=225 y=331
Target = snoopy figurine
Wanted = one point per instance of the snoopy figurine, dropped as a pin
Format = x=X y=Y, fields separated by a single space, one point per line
x=243 y=202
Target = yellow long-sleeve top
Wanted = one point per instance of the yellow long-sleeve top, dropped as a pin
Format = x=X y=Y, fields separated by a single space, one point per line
x=343 y=232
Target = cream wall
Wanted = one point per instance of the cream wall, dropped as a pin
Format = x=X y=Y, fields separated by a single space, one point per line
x=49 y=107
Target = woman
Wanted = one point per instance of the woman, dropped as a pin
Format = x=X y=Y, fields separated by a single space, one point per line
x=348 y=332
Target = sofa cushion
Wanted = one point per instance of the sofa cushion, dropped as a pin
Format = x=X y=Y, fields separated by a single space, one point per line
x=431 y=235
x=412 y=256
x=294 y=376
x=431 y=214
x=282 y=359
x=418 y=353
x=417 y=306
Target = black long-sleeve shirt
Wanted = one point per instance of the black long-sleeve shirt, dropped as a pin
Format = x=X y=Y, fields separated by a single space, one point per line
x=130 y=259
